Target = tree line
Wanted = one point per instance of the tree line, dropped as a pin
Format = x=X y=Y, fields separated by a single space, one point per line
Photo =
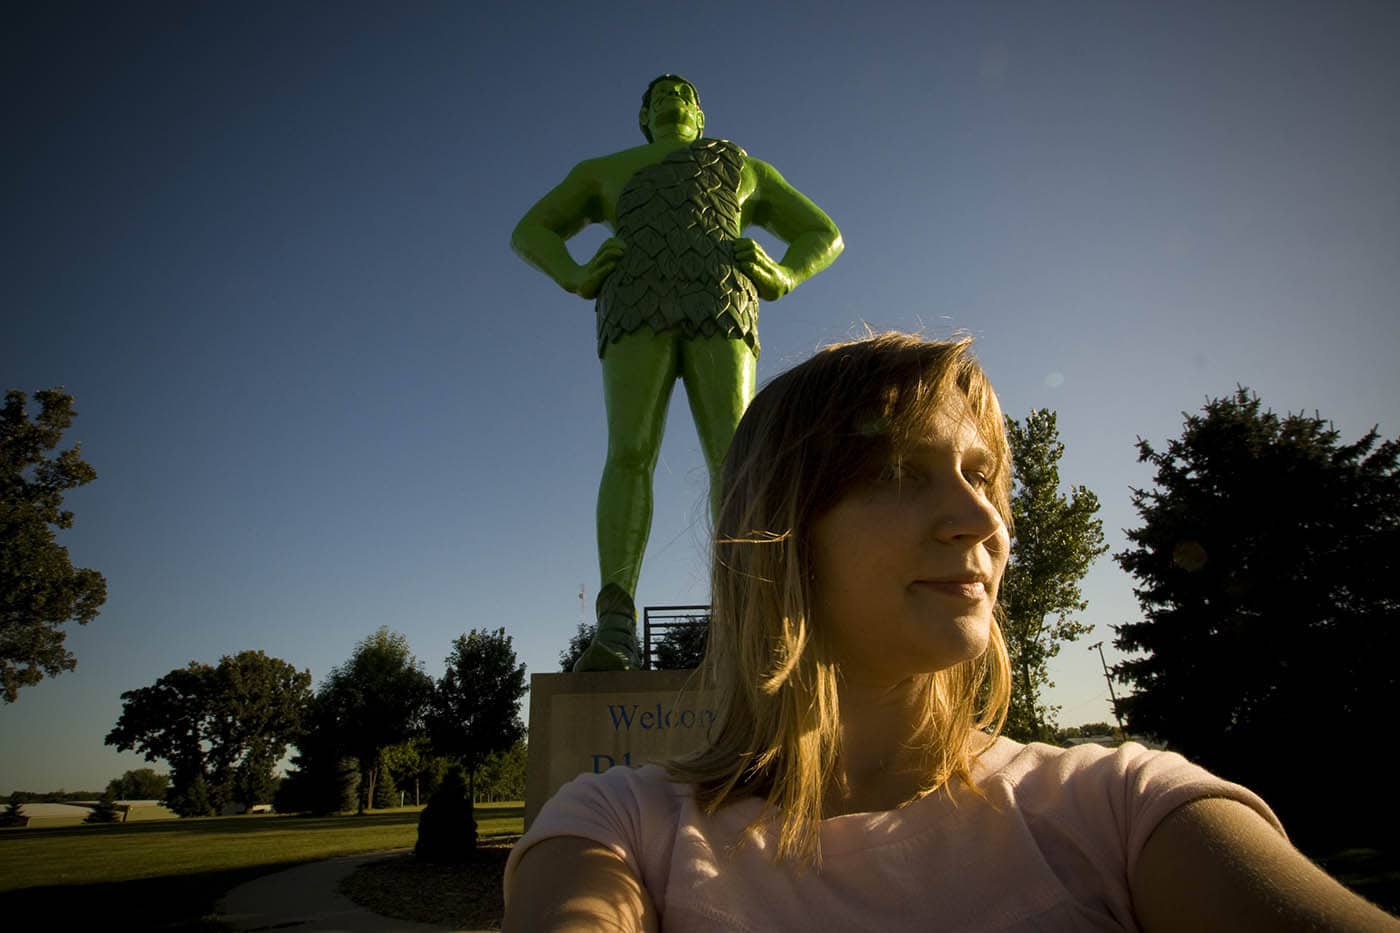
x=1265 y=567
x=377 y=728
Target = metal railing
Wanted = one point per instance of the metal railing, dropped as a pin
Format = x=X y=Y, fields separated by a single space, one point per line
x=659 y=621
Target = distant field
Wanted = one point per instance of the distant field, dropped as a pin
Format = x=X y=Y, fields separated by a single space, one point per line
x=133 y=815
x=176 y=869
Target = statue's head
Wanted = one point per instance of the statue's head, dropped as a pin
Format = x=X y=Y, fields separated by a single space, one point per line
x=671 y=99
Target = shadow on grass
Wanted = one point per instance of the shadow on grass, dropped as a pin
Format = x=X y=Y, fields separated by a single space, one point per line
x=170 y=902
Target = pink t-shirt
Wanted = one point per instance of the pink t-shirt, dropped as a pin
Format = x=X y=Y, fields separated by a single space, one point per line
x=1052 y=848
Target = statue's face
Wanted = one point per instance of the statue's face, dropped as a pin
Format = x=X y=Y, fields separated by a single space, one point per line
x=674 y=107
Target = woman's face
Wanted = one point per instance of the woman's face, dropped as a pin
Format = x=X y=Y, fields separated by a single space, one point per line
x=906 y=567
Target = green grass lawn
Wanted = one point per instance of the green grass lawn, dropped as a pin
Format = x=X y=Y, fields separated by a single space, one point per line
x=169 y=874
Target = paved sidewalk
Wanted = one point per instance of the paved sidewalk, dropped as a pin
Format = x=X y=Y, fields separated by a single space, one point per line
x=307 y=898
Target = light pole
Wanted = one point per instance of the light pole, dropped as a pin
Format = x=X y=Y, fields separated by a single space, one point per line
x=1112 y=695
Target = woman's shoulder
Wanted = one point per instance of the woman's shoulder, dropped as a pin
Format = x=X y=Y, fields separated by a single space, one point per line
x=1008 y=762
x=645 y=791
x=632 y=811
x=1001 y=752
x=1135 y=785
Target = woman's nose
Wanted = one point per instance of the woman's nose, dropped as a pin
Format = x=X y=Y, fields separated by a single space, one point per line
x=964 y=512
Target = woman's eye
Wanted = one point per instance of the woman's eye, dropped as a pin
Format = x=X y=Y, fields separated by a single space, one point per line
x=977 y=479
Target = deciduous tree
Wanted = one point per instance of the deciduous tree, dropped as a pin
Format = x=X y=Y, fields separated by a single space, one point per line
x=372 y=701
x=682 y=648
x=140 y=784
x=1057 y=538
x=168 y=721
x=222 y=727
x=417 y=770
x=40 y=589
x=1268 y=575
x=476 y=706
x=578 y=644
x=502 y=774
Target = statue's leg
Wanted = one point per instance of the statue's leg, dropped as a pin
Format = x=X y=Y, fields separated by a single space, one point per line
x=719 y=375
x=639 y=372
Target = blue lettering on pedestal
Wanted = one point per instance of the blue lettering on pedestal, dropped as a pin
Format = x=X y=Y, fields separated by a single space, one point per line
x=599 y=765
x=623 y=716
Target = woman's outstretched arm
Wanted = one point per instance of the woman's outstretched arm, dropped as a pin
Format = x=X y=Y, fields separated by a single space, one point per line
x=568 y=883
x=1214 y=864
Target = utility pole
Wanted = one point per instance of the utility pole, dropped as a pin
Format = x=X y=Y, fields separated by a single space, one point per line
x=1108 y=677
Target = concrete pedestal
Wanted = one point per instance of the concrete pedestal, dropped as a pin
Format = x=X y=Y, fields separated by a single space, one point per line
x=591 y=722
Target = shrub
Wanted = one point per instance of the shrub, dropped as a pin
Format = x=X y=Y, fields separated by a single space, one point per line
x=11 y=816
x=446 y=829
x=106 y=810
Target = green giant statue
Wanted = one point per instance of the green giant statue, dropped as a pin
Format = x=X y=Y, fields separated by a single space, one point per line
x=677 y=292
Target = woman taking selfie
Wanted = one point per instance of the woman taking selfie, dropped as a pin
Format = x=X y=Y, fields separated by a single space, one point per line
x=854 y=779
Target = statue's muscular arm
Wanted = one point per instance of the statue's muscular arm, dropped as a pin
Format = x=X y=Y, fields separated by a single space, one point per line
x=776 y=206
x=574 y=203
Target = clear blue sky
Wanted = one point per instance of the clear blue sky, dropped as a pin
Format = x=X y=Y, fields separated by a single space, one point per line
x=265 y=246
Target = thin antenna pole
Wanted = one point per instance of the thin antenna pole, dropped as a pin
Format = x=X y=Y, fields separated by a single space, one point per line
x=1109 y=678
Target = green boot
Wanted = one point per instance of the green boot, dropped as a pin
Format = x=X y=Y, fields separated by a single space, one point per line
x=614 y=645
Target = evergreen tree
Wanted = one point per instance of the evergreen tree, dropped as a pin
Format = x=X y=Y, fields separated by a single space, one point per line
x=346 y=786
x=386 y=793
x=1056 y=539
x=446 y=827
x=106 y=810
x=1268 y=574
x=192 y=799
x=11 y=815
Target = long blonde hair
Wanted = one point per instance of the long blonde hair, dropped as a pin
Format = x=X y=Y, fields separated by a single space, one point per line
x=804 y=442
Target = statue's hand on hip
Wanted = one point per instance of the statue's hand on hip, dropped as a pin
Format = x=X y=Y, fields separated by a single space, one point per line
x=591 y=276
x=770 y=277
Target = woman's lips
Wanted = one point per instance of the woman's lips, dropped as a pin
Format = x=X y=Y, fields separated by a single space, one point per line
x=960 y=589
